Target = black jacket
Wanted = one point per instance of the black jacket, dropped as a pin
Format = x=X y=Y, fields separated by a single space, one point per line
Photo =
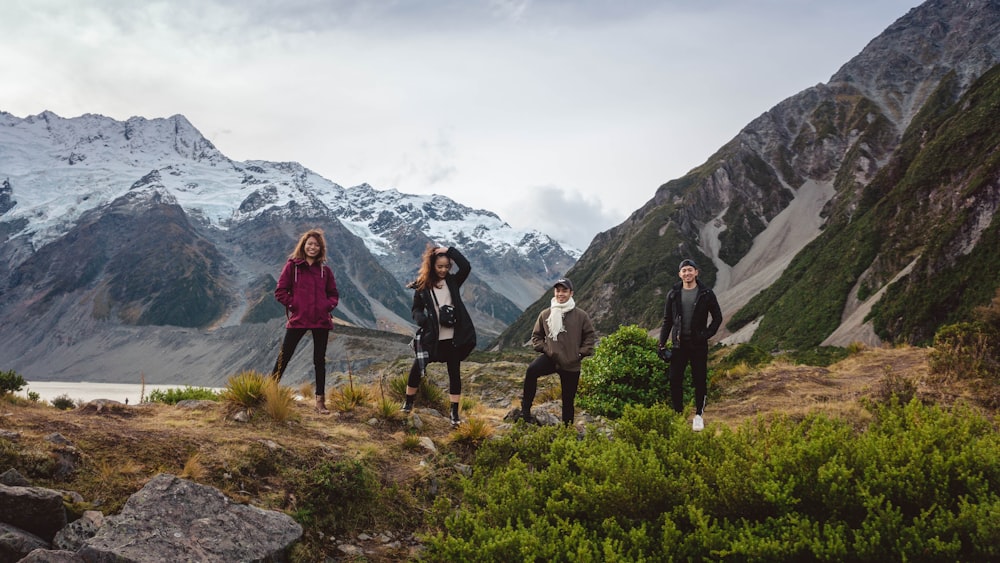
x=705 y=304
x=425 y=314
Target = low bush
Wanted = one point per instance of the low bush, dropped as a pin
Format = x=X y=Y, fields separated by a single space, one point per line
x=919 y=483
x=175 y=395
x=63 y=402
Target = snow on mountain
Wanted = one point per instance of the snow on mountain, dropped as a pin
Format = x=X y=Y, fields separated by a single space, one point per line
x=59 y=168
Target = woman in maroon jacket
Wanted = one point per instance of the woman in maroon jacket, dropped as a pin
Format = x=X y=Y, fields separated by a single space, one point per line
x=309 y=293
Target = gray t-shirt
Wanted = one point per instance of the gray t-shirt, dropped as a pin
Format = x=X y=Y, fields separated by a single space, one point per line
x=688 y=297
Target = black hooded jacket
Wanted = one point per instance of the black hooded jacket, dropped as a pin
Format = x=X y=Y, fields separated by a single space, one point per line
x=705 y=304
x=425 y=314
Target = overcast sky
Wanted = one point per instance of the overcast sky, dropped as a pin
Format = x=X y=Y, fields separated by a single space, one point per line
x=560 y=115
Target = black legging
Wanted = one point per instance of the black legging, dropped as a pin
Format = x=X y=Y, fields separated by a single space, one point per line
x=697 y=355
x=448 y=354
x=291 y=341
x=568 y=380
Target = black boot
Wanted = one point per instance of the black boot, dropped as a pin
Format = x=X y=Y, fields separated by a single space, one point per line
x=408 y=403
x=455 y=421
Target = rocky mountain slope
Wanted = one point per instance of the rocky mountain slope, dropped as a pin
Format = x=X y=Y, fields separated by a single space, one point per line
x=109 y=229
x=860 y=209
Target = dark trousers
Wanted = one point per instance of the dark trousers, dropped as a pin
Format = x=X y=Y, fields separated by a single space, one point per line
x=569 y=380
x=447 y=354
x=697 y=355
x=291 y=341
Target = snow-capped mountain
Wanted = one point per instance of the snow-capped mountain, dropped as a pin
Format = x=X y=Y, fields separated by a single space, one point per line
x=90 y=206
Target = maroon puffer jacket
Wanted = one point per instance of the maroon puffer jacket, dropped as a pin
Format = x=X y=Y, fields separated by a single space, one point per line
x=309 y=294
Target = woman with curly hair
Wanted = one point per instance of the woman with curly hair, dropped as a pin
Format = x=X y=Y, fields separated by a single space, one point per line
x=446 y=331
x=309 y=293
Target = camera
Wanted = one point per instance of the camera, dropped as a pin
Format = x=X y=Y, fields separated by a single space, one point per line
x=665 y=354
x=447 y=316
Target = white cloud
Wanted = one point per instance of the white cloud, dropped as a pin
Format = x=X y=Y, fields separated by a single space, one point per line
x=566 y=215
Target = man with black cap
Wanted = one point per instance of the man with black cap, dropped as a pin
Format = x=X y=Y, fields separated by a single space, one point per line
x=564 y=335
x=685 y=322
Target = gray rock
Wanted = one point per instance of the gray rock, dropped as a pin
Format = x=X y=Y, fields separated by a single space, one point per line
x=57 y=438
x=16 y=543
x=50 y=556
x=196 y=404
x=12 y=478
x=171 y=519
x=33 y=509
x=72 y=536
x=427 y=444
x=10 y=435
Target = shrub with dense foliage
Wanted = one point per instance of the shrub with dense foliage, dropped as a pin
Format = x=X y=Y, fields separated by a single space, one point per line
x=11 y=382
x=920 y=483
x=174 y=395
x=971 y=351
x=624 y=370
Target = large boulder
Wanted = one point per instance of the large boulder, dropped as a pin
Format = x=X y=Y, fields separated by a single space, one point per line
x=15 y=543
x=72 y=537
x=172 y=519
x=52 y=556
x=33 y=509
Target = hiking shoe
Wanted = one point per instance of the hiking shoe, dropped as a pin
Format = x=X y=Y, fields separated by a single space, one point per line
x=455 y=421
x=321 y=405
x=698 y=424
x=406 y=408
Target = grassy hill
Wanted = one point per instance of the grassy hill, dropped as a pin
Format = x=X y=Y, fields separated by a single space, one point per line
x=361 y=478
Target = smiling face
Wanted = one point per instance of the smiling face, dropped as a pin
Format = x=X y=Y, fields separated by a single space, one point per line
x=688 y=275
x=442 y=265
x=312 y=248
x=562 y=294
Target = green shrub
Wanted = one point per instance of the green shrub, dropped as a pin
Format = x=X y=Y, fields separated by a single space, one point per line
x=175 y=395
x=63 y=402
x=11 y=382
x=624 y=370
x=747 y=354
x=966 y=350
x=349 y=485
x=820 y=356
x=919 y=483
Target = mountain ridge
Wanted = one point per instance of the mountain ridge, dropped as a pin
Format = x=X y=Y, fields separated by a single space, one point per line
x=791 y=177
x=145 y=223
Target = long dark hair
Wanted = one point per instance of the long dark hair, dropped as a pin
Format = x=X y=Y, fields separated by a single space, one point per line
x=427 y=276
x=300 y=247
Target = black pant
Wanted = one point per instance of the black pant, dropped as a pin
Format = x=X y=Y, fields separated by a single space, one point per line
x=697 y=355
x=569 y=381
x=448 y=354
x=291 y=341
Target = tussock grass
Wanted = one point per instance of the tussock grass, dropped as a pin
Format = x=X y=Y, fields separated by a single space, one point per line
x=411 y=442
x=194 y=469
x=245 y=390
x=279 y=402
x=473 y=431
x=350 y=397
x=387 y=408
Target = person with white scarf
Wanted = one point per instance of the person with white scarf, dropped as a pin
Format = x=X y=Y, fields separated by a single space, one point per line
x=564 y=335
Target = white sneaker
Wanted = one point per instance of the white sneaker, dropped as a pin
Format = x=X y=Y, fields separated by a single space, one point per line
x=698 y=424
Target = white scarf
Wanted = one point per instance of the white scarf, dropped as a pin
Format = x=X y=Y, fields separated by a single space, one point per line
x=555 y=320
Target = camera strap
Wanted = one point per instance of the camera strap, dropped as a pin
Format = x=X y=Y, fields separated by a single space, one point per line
x=435 y=298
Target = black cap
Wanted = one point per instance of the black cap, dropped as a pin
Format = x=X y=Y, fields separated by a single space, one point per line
x=565 y=283
x=687 y=262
